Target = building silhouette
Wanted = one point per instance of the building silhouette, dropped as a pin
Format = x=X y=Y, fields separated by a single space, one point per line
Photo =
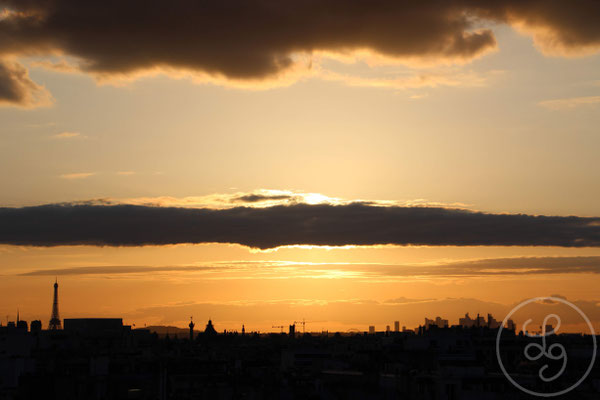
x=466 y=321
x=55 y=323
x=20 y=323
x=438 y=321
x=36 y=326
x=510 y=325
x=492 y=323
x=210 y=329
x=94 y=326
x=191 y=325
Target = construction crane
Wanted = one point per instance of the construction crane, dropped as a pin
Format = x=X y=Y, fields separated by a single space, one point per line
x=279 y=326
x=303 y=323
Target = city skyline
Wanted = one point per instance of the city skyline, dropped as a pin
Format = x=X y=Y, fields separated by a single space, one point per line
x=94 y=357
x=466 y=321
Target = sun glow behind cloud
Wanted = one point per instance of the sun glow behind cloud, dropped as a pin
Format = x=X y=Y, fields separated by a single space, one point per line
x=261 y=198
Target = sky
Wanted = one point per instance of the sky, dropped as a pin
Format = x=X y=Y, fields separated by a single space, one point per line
x=347 y=163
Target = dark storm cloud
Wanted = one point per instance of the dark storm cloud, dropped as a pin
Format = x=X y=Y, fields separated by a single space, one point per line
x=301 y=224
x=10 y=87
x=17 y=88
x=238 y=39
x=558 y=26
x=257 y=39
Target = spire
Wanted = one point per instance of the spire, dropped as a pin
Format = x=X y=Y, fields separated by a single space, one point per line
x=18 y=319
x=55 y=323
x=191 y=325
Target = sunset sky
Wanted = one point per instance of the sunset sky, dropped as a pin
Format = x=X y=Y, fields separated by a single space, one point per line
x=261 y=162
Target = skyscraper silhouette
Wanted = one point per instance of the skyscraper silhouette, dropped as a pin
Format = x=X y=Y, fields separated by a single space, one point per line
x=55 y=319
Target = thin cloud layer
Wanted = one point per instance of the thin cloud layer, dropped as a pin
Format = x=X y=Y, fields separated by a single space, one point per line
x=77 y=175
x=254 y=40
x=300 y=224
x=66 y=135
x=114 y=270
x=273 y=269
x=570 y=103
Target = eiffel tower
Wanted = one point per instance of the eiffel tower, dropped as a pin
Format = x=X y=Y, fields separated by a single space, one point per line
x=55 y=319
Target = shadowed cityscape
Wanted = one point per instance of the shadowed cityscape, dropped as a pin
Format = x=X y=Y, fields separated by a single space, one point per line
x=100 y=358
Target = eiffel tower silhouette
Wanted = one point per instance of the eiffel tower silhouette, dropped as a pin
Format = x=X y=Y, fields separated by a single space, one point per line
x=55 y=319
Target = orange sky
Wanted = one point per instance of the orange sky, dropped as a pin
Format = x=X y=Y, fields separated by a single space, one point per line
x=490 y=108
x=345 y=288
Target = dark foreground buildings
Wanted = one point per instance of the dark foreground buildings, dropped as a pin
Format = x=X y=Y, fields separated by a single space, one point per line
x=102 y=359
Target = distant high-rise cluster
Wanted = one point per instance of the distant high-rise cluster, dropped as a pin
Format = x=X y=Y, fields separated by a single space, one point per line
x=465 y=322
x=438 y=321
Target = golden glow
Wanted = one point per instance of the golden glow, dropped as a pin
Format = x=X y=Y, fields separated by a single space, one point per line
x=336 y=128
x=336 y=288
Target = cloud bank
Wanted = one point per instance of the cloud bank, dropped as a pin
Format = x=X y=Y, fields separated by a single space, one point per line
x=299 y=224
x=253 y=40
x=558 y=28
x=236 y=39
